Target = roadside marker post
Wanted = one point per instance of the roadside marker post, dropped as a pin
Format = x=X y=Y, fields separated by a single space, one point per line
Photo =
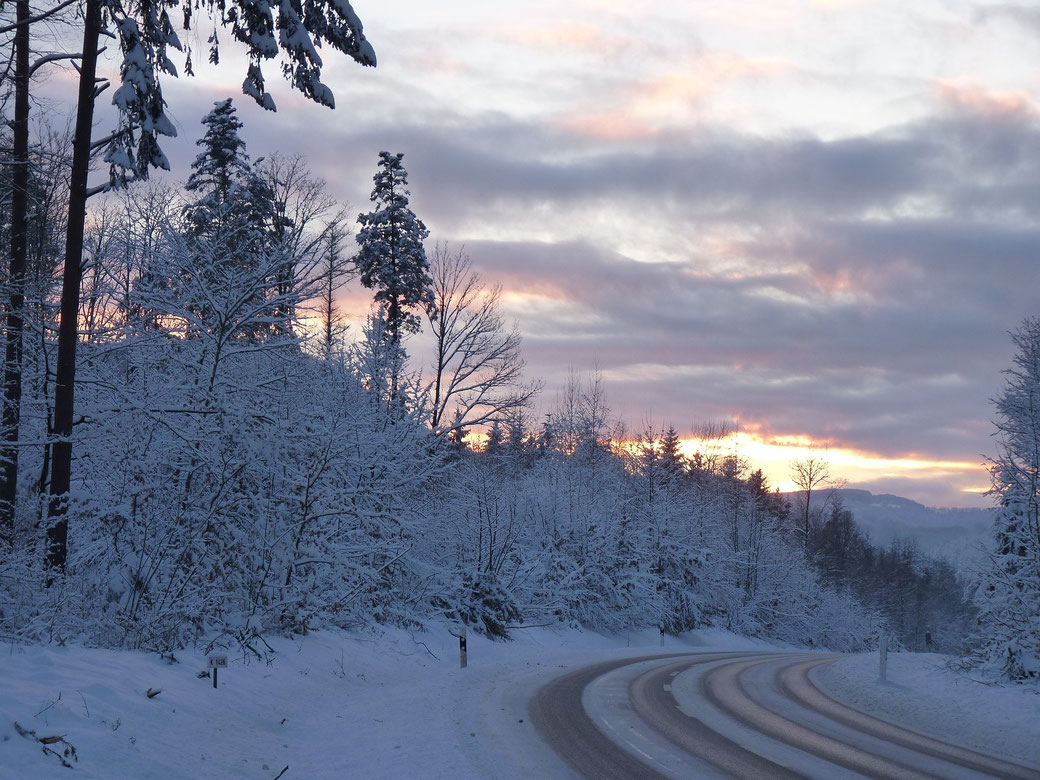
x=883 y=656
x=216 y=661
x=459 y=630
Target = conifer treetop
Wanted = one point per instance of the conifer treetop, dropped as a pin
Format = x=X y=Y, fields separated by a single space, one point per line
x=223 y=152
x=391 y=257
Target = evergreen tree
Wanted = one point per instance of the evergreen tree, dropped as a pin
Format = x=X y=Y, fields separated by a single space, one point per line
x=495 y=439
x=231 y=195
x=391 y=258
x=673 y=462
x=1010 y=594
x=234 y=213
x=223 y=163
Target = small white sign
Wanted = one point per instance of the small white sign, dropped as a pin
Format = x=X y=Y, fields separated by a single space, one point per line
x=217 y=661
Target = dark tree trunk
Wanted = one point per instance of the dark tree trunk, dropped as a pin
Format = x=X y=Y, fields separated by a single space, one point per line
x=16 y=278
x=65 y=377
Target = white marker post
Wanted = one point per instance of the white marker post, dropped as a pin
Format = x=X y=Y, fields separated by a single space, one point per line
x=459 y=630
x=216 y=661
x=883 y=656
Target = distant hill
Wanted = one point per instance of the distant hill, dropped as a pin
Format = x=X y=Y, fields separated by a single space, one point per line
x=959 y=535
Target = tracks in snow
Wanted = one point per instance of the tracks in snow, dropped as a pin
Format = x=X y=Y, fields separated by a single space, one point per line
x=753 y=715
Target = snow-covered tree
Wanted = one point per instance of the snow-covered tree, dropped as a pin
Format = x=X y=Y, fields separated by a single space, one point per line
x=378 y=359
x=673 y=462
x=333 y=272
x=31 y=315
x=146 y=36
x=1009 y=596
x=308 y=223
x=222 y=167
x=233 y=219
x=391 y=258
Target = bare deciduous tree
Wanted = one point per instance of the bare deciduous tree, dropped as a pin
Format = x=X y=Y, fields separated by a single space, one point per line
x=309 y=222
x=710 y=436
x=478 y=370
x=335 y=269
x=810 y=474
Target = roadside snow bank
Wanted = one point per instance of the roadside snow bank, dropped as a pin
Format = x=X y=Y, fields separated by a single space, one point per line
x=923 y=695
x=380 y=705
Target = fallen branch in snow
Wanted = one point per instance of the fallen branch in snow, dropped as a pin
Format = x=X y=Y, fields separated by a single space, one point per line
x=151 y=693
x=428 y=650
x=46 y=742
x=286 y=769
x=38 y=714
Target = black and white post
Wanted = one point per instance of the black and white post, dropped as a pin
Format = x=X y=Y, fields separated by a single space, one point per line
x=883 y=656
x=459 y=630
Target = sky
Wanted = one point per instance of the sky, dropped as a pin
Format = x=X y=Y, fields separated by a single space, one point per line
x=815 y=219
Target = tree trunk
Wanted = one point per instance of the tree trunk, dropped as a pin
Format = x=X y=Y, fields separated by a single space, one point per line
x=16 y=279
x=65 y=377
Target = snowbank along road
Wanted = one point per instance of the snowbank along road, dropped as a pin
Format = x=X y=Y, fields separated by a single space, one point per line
x=754 y=715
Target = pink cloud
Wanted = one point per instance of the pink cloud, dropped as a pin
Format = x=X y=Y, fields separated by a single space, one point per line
x=647 y=107
x=974 y=98
x=563 y=36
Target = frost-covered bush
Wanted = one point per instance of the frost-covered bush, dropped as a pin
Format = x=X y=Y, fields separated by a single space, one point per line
x=482 y=604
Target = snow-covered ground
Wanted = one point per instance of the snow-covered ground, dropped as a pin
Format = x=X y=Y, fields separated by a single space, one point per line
x=388 y=705
x=921 y=693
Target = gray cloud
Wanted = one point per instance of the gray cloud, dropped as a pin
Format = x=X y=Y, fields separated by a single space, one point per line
x=867 y=380
x=1020 y=15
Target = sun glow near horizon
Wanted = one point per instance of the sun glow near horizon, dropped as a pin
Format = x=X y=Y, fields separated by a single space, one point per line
x=775 y=453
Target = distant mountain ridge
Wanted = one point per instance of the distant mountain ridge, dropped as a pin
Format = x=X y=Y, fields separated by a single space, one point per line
x=959 y=535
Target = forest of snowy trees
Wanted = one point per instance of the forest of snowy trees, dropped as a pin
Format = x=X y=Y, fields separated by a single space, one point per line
x=234 y=461
x=244 y=466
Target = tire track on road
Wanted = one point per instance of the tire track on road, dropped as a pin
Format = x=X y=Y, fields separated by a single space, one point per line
x=794 y=681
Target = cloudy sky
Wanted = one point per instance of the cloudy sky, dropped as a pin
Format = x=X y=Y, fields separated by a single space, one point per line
x=818 y=219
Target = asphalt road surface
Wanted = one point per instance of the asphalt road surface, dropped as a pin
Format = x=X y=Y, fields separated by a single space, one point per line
x=753 y=715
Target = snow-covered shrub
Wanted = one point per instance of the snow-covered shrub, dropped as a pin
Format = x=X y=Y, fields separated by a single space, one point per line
x=481 y=603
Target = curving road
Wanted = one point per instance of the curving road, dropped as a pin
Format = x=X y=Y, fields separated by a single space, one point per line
x=753 y=715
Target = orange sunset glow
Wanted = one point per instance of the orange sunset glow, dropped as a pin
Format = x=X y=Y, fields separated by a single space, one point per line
x=774 y=454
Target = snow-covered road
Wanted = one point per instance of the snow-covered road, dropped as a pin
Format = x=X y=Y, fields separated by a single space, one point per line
x=393 y=704
x=734 y=715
